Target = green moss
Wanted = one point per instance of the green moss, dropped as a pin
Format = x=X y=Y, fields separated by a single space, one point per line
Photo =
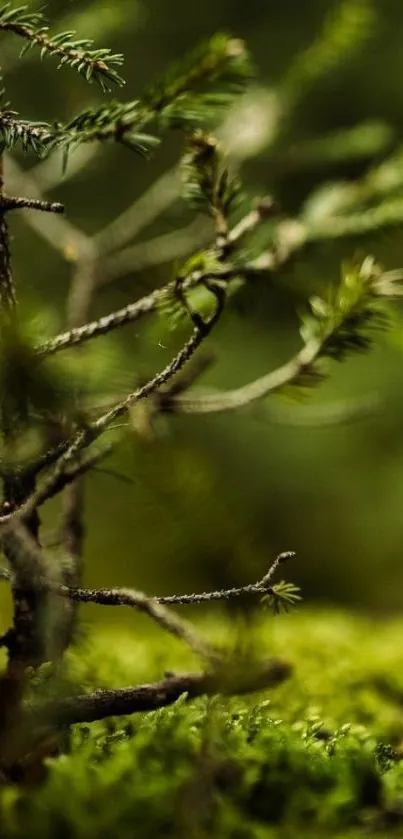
x=319 y=756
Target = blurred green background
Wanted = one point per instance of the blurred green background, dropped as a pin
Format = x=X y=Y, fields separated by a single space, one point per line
x=211 y=500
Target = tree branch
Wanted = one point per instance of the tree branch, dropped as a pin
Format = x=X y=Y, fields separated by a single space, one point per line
x=138 y=600
x=83 y=438
x=234 y=399
x=146 y=305
x=57 y=231
x=99 y=64
x=10 y=203
x=30 y=565
x=155 y=607
x=149 y=697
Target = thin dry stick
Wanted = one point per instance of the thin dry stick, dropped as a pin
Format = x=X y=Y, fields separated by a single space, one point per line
x=147 y=304
x=170 y=246
x=73 y=472
x=138 y=600
x=154 y=607
x=31 y=557
x=58 y=232
x=261 y=587
x=115 y=320
x=150 y=697
x=11 y=203
x=183 y=356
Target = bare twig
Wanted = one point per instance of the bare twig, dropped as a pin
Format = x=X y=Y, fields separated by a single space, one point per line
x=183 y=356
x=83 y=438
x=152 y=606
x=10 y=203
x=265 y=208
x=134 y=311
x=58 y=232
x=261 y=587
x=128 y=314
x=150 y=697
x=233 y=399
x=30 y=564
x=138 y=600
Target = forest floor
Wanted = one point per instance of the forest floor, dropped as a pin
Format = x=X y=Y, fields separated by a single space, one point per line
x=319 y=756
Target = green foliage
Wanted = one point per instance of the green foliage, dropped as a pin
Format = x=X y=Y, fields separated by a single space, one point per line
x=347 y=320
x=115 y=121
x=198 y=87
x=282 y=597
x=98 y=64
x=33 y=136
x=320 y=757
x=347 y=26
x=208 y=184
x=193 y=92
x=232 y=769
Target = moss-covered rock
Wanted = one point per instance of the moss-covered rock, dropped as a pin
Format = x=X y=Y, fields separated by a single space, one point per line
x=319 y=756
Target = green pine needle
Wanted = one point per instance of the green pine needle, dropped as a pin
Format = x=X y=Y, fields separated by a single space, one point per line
x=32 y=136
x=200 y=85
x=282 y=597
x=208 y=185
x=346 y=321
x=97 y=64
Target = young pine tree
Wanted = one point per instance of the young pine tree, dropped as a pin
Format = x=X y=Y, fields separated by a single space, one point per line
x=52 y=437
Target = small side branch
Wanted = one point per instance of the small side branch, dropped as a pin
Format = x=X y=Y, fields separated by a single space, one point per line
x=138 y=600
x=81 y=440
x=234 y=399
x=91 y=63
x=155 y=607
x=151 y=606
x=31 y=563
x=55 y=229
x=12 y=203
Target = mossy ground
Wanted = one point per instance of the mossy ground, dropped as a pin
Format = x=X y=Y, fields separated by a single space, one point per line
x=320 y=756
